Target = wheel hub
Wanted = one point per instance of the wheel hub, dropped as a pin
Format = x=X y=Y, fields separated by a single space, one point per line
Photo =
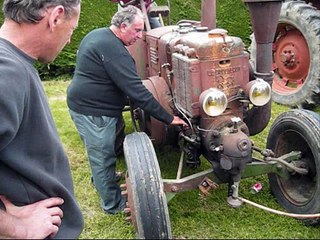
x=291 y=60
x=288 y=59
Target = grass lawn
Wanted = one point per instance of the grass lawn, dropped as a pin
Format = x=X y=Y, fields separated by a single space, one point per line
x=191 y=215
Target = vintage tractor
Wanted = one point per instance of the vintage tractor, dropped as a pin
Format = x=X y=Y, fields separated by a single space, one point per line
x=296 y=58
x=203 y=75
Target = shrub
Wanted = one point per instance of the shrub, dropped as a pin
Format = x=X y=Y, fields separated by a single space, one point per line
x=232 y=15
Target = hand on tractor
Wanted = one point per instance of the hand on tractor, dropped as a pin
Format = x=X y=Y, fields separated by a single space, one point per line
x=178 y=121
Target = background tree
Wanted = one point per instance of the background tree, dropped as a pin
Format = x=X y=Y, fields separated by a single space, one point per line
x=232 y=15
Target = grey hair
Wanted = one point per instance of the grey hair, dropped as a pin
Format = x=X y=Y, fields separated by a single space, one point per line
x=31 y=11
x=126 y=15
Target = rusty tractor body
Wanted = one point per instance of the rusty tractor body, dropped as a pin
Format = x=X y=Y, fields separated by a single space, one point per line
x=203 y=75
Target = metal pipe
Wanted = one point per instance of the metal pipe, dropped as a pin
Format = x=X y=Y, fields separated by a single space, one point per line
x=180 y=166
x=264 y=17
x=145 y=14
x=208 y=14
x=294 y=215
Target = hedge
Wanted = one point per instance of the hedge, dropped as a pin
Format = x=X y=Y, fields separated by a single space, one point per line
x=231 y=15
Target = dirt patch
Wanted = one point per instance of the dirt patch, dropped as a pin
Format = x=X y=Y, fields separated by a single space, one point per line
x=58 y=98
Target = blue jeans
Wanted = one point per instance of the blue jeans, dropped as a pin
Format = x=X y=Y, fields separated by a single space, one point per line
x=98 y=135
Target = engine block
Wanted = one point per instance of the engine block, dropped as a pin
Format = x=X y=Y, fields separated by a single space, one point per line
x=208 y=60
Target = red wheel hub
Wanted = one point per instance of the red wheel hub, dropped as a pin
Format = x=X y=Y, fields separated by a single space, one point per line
x=291 y=60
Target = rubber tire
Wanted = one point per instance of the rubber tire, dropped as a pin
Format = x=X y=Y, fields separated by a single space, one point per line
x=306 y=19
x=146 y=196
x=297 y=130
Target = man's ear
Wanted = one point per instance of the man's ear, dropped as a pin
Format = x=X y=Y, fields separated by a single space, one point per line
x=56 y=16
x=123 y=27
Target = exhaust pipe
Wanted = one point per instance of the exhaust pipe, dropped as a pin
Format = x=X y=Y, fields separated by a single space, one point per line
x=264 y=17
x=208 y=14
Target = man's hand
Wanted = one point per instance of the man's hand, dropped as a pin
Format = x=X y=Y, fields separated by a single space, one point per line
x=38 y=220
x=178 y=121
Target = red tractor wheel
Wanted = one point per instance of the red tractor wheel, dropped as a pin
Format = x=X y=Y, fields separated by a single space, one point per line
x=296 y=58
x=291 y=61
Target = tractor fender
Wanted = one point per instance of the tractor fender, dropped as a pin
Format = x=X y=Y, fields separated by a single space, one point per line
x=161 y=92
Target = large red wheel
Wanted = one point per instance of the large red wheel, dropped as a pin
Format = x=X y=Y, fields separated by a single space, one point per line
x=291 y=60
x=296 y=58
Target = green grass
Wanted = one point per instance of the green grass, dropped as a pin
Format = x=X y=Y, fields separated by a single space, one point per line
x=191 y=215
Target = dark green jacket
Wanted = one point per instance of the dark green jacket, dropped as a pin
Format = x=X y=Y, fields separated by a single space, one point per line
x=105 y=76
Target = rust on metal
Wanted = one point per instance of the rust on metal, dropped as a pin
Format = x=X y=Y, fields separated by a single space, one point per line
x=206 y=186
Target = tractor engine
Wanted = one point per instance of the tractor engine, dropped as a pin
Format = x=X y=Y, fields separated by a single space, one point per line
x=207 y=74
x=211 y=73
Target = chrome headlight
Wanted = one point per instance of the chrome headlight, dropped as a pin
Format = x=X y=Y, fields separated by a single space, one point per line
x=213 y=102
x=259 y=92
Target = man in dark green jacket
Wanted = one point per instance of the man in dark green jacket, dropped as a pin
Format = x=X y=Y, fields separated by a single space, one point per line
x=104 y=77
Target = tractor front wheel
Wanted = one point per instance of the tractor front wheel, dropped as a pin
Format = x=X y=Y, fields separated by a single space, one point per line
x=146 y=197
x=297 y=130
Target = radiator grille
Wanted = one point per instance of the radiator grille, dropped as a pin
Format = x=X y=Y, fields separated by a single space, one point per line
x=187 y=79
